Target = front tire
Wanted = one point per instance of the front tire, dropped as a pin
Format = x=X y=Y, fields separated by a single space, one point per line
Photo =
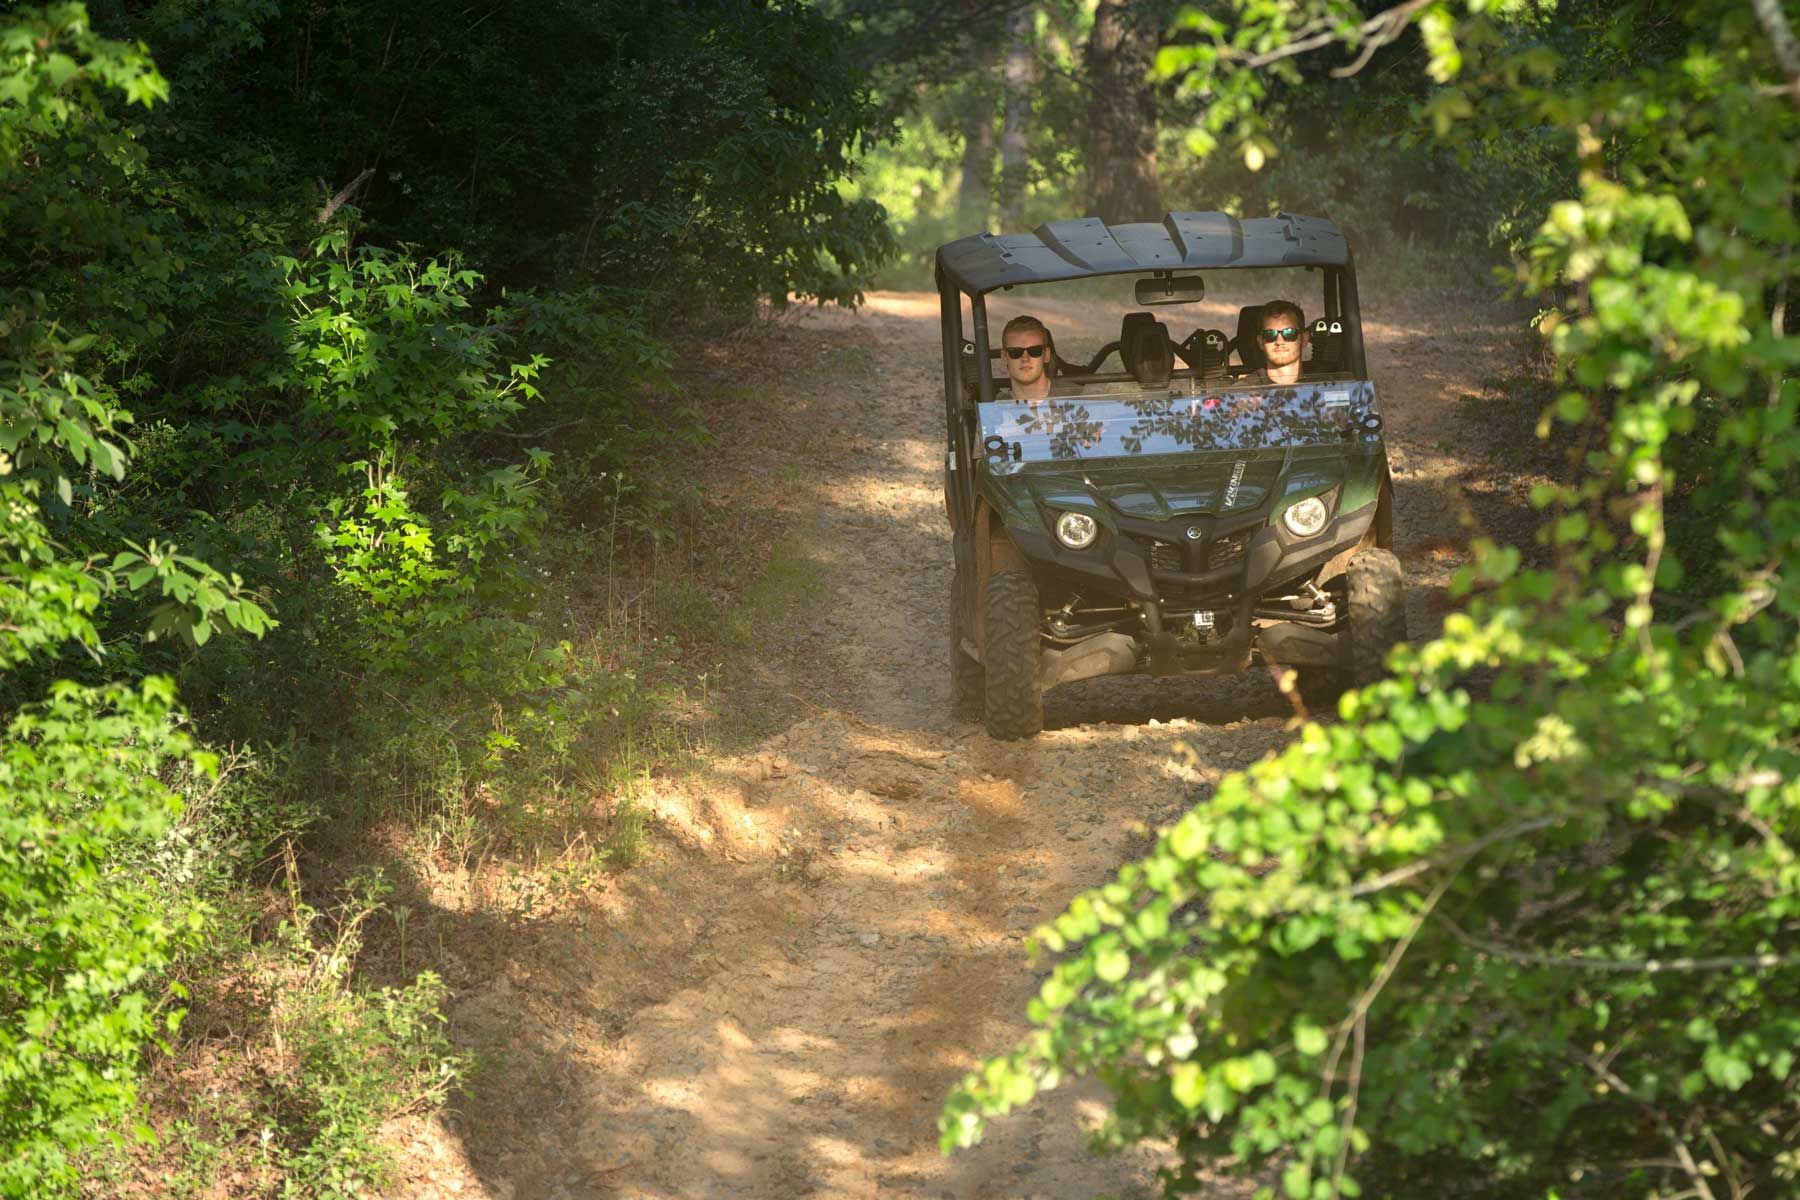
x=1374 y=587
x=1377 y=587
x=1014 y=703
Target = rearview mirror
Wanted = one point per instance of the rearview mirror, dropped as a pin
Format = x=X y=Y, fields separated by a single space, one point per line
x=1171 y=289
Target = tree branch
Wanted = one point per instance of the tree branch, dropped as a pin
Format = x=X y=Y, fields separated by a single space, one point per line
x=1781 y=42
x=1380 y=29
x=1395 y=25
x=1682 y=1154
x=1630 y=966
x=343 y=197
x=1455 y=855
x=1356 y=1026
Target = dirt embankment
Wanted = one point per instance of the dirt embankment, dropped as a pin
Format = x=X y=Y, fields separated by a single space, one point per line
x=775 y=1005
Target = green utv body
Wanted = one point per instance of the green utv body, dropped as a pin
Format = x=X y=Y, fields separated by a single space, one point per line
x=1226 y=518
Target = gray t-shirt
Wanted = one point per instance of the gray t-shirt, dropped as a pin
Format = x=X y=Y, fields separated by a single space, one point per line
x=1058 y=387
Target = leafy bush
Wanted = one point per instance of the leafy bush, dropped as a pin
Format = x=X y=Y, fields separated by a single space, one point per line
x=1522 y=923
x=81 y=939
x=358 y=1056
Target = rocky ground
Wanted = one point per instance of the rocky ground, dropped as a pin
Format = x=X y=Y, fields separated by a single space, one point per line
x=832 y=933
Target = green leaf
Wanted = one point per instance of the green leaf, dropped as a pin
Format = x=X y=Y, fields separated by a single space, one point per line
x=1726 y=1067
x=1188 y=1084
x=1112 y=964
x=1309 y=1038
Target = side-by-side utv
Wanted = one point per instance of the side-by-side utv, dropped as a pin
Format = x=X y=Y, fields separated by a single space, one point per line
x=1166 y=509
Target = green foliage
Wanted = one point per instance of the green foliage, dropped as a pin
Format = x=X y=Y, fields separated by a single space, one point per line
x=80 y=939
x=688 y=152
x=378 y=353
x=206 y=362
x=1522 y=922
x=360 y=1056
x=334 y=1059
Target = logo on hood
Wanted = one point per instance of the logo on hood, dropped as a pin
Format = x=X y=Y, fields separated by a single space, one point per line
x=1231 y=489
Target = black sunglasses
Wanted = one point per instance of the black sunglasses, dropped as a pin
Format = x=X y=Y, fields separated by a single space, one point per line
x=1286 y=333
x=1018 y=351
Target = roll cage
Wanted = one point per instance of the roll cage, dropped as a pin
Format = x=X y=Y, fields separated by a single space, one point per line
x=1087 y=248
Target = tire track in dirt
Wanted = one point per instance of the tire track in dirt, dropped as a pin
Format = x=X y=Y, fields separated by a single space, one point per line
x=843 y=936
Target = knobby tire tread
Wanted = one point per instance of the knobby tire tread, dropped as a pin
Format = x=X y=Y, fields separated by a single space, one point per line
x=1377 y=587
x=1375 y=620
x=1014 y=704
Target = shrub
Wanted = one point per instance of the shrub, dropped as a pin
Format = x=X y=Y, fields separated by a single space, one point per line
x=81 y=941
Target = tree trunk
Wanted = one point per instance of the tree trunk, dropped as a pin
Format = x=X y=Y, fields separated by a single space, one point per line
x=974 y=196
x=1015 y=160
x=980 y=96
x=1122 y=182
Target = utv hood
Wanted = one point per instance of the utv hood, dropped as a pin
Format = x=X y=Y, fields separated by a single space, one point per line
x=1160 y=489
x=1156 y=455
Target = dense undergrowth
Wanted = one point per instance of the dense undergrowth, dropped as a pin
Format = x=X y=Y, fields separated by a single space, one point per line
x=350 y=526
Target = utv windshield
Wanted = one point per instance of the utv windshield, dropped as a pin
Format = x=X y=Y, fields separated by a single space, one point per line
x=1126 y=425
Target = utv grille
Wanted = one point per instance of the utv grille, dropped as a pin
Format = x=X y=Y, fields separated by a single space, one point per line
x=1166 y=556
x=1228 y=551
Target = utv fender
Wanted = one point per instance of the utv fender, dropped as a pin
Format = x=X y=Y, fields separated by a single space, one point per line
x=994 y=549
x=1380 y=534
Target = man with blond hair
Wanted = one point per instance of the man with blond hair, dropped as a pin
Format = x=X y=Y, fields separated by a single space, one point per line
x=1282 y=340
x=1029 y=353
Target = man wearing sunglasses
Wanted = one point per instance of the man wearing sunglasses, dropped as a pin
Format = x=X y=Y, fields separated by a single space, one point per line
x=1282 y=341
x=1029 y=353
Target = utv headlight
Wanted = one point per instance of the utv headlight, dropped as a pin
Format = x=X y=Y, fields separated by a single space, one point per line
x=1076 y=530
x=1305 y=518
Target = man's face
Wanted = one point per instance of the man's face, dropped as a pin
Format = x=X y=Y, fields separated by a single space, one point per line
x=1026 y=354
x=1281 y=352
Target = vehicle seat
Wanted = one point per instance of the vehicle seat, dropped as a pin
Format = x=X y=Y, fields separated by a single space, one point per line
x=1147 y=351
x=1206 y=351
x=1249 y=331
x=1327 y=341
x=1128 y=328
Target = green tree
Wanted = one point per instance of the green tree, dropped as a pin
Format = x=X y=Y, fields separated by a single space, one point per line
x=1531 y=923
x=83 y=936
x=690 y=151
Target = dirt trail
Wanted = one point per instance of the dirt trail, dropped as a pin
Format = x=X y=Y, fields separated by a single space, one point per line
x=788 y=995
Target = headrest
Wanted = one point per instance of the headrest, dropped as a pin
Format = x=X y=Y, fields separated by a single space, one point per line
x=1147 y=351
x=1206 y=350
x=1327 y=340
x=1133 y=322
x=1249 y=333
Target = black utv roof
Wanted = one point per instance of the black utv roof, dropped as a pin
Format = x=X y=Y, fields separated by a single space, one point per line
x=1086 y=246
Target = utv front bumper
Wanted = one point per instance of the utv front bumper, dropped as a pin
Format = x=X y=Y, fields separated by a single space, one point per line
x=1196 y=582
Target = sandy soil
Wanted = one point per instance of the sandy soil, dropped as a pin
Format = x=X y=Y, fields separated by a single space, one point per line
x=776 y=1005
